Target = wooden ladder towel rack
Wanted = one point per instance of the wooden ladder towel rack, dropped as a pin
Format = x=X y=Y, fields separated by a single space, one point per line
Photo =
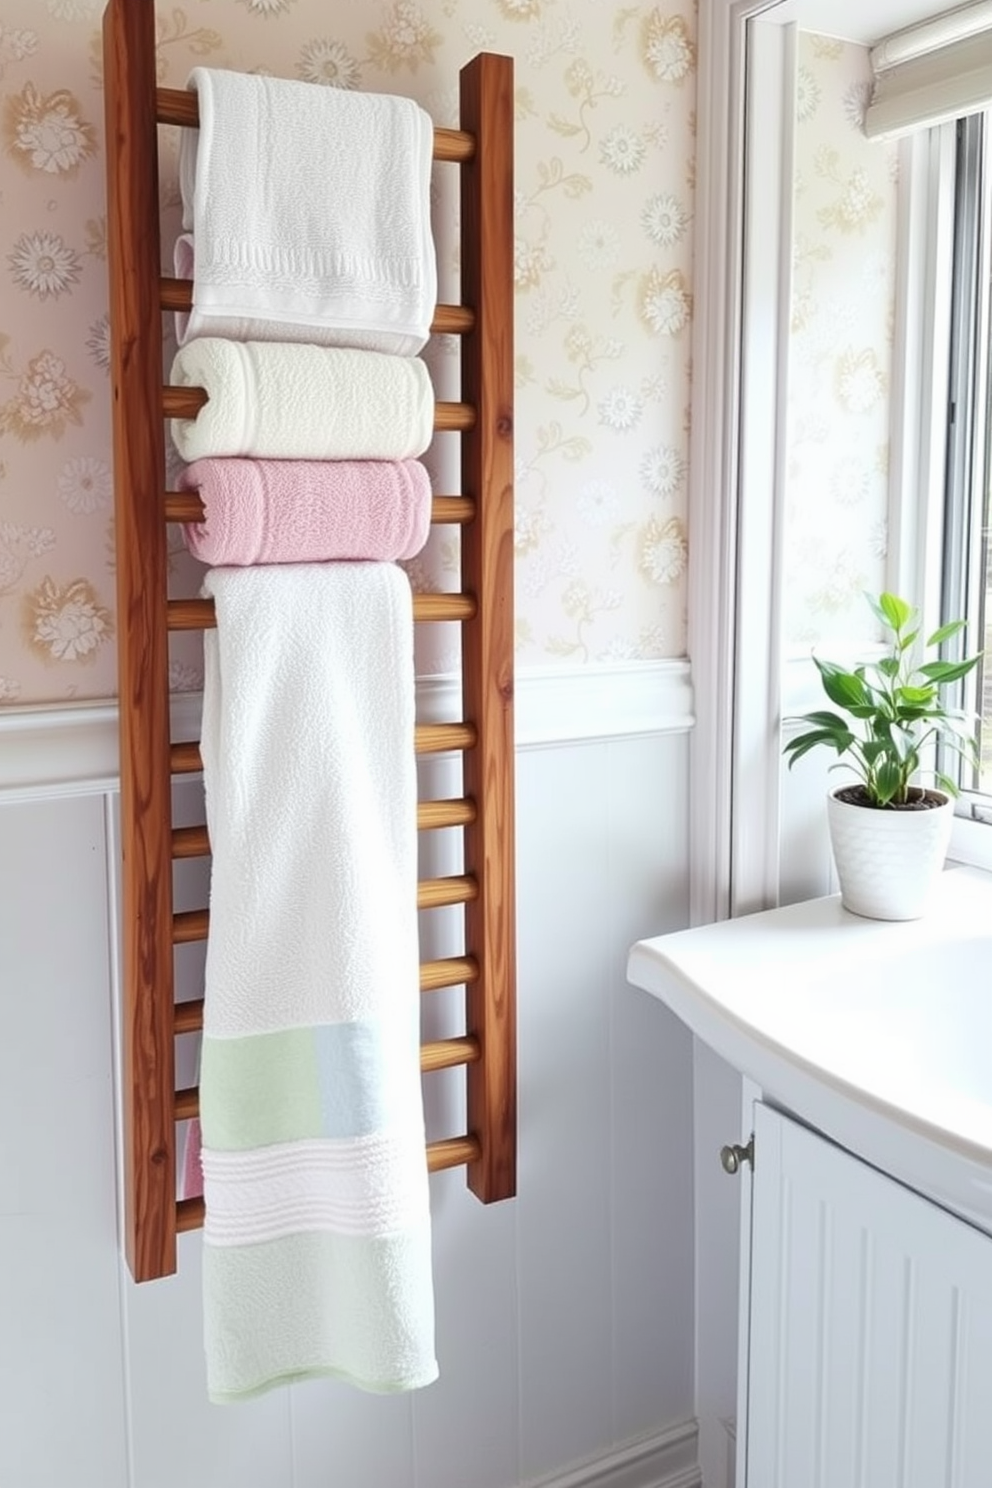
x=151 y=760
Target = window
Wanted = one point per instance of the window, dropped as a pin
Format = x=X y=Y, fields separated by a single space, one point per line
x=967 y=560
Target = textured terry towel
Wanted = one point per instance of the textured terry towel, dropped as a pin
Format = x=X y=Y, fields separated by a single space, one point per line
x=299 y=511
x=302 y=402
x=317 y=1232
x=310 y=208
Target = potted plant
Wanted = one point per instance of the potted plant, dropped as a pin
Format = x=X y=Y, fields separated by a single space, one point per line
x=889 y=832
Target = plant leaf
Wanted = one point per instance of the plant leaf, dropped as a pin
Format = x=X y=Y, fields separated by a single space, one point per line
x=916 y=696
x=948 y=671
x=796 y=748
x=846 y=689
x=945 y=632
x=822 y=720
x=889 y=782
x=893 y=611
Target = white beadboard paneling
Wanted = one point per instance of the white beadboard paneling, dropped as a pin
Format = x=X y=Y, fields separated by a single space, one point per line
x=178 y=1436
x=466 y=1424
x=564 y=1072
x=62 y=1414
x=333 y=1425
x=563 y=1322
x=645 y=891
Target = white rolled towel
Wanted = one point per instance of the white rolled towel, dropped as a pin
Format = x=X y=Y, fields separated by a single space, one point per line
x=283 y=402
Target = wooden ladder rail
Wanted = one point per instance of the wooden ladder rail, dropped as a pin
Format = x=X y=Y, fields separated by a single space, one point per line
x=149 y=759
x=486 y=112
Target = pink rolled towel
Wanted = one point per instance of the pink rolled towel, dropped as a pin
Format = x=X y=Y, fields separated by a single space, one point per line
x=307 y=511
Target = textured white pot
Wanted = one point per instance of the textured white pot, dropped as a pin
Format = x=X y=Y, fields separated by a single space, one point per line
x=888 y=861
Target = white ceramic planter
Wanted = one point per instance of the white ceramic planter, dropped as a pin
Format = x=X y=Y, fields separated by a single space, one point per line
x=888 y=861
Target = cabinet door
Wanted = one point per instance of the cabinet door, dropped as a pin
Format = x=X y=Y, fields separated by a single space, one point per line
x=870 y=1347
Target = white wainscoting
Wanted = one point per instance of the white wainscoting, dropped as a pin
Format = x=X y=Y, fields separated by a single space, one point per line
x=565 y=1317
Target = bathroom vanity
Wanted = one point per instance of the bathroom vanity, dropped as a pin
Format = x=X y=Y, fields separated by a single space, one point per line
x=865 y=1163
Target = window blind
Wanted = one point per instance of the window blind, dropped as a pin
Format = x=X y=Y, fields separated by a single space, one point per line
x=927 y=74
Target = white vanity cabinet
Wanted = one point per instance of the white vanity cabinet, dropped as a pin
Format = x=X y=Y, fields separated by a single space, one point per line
x=865 y=1047
x=868 y=1317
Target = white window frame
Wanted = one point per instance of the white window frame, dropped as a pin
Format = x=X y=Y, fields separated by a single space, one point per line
x=735 y=510
x=972 y=834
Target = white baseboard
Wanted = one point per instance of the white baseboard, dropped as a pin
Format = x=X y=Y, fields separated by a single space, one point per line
x=666 y=1459
x=67 y=750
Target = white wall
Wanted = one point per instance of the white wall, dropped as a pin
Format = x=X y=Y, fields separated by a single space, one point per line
x=565 y=1317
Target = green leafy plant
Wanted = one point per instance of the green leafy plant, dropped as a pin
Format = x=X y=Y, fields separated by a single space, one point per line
x=894 y=709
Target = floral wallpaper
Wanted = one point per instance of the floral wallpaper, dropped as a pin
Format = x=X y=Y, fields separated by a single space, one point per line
x=843 y=307
x=605 y=127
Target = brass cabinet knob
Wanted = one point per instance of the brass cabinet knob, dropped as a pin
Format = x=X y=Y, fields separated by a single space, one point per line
x=734 y=1154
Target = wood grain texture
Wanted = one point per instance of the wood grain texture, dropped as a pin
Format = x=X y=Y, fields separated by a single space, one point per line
x=191 y=925
x=483 y=417
x=452 y=971
x=198 y=614
x=186 y=402
x=449 y=320
x=193 y=842
x=486 y=94
x=428 y=738
x=449 y=1152
x=179 y=106
x=139 y=464
x=186 y=506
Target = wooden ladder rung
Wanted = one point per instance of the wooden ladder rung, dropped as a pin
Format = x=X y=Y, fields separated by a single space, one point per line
x=441 y=738
x=191 y=925
x=452 y=511
x=452 y=971
x=186 y=403
x=439 y=1054
x=435 y=893
x=450 y=1152
x=194 y=842
x=449 y=320
x=190 y=842
x=181 y=106
x=199 y=614
x=431 y=815
x=449 y=971
x=428 y=738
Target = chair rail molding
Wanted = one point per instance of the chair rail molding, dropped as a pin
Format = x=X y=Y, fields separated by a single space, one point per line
x=53 y=750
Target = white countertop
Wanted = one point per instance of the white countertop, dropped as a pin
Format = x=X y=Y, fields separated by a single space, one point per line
x=877 y=1033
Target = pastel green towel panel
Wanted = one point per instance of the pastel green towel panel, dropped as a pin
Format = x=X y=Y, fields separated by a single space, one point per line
x=314 y=1305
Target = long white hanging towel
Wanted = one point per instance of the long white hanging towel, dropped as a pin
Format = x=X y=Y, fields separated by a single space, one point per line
x=310 y=214
x=317 y=1230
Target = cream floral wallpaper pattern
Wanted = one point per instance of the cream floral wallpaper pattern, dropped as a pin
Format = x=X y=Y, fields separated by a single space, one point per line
x=605 y=98
x=843 y=306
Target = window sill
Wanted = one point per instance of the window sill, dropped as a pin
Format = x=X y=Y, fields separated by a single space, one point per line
x=971 y=843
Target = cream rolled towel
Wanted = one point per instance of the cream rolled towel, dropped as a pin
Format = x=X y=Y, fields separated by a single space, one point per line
x=281 y=402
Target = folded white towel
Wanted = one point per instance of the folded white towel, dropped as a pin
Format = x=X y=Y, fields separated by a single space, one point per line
x=310 y=207
x=317 y=1227
x=302 y=402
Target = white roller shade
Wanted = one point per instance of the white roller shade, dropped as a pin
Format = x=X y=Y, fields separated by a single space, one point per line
x=933 y=72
